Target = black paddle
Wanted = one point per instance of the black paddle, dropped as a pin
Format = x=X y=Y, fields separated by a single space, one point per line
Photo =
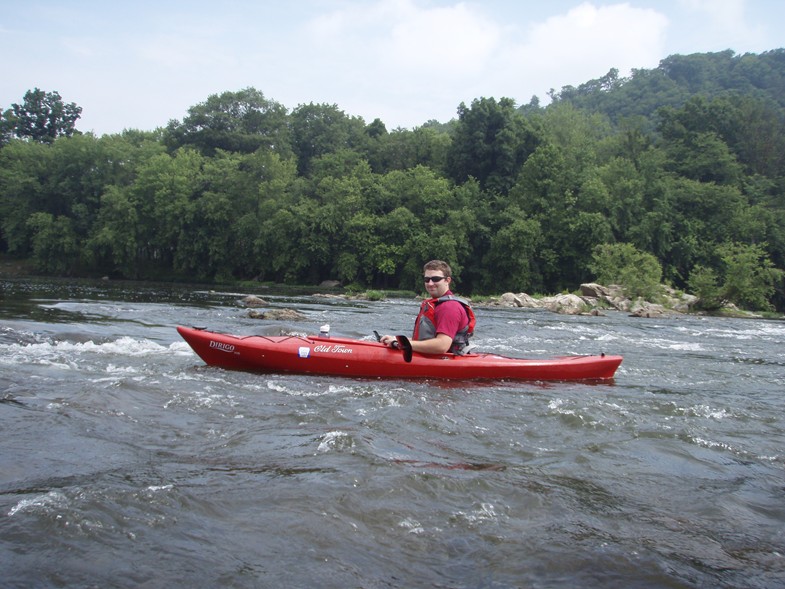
x=404 y=343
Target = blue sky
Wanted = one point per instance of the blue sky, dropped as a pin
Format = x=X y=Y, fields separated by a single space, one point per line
x=139 y=64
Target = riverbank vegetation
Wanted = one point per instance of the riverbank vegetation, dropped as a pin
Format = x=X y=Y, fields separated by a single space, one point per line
x=678 y=172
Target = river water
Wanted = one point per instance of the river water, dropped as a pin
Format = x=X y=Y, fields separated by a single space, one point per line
x=126 y=462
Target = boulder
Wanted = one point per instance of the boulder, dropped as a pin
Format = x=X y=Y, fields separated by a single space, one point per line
x=254 y=301
x=566 y=304
x=620 y=303
x=641 y=308
x=529 y=302
x=595 y=291
x=681 y=303
x=613 y=295
x=277 y=315
x=509 y=299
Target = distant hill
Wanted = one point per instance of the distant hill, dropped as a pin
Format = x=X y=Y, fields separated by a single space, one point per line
x=676 y=80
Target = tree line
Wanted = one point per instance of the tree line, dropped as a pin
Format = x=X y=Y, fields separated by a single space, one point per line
x=529 y=198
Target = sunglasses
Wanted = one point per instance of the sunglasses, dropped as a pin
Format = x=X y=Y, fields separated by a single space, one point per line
x=433 y=278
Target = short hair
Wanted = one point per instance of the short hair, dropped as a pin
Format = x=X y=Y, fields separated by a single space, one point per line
x=438 y=265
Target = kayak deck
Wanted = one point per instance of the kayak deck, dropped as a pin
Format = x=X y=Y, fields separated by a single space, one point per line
x=361 y=358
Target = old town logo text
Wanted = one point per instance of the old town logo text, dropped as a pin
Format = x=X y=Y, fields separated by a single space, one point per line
x=336 y=349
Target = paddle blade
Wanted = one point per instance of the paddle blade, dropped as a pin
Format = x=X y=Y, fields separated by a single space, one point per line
x=406 y=346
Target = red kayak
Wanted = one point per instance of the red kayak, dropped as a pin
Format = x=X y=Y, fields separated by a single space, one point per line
x=360 y=358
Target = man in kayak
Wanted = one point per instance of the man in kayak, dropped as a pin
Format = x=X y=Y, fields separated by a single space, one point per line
x=445 y=322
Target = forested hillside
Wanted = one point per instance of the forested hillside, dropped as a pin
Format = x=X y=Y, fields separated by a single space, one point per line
x=683 y=164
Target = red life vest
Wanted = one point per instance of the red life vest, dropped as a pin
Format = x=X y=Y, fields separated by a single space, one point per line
x=425 y=324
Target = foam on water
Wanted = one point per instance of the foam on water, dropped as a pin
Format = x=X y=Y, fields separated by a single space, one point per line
x=46 y=503
x=66 y=354
x=335 y=441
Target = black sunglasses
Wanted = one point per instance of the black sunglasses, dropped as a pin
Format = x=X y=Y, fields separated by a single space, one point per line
x=433 y=278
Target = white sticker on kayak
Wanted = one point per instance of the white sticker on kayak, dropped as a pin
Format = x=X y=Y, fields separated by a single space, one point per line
x=304 y=352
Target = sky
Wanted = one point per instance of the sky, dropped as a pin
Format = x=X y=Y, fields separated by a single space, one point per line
x=139 y=64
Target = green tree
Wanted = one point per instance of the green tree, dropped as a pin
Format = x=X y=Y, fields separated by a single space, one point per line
x=283 y=258
x=402 y=149
x=112 y=246
x=510 y=262
x=161 y=194
x=490 y=143
x=55 y=246
x=320 y=129
x=571 y=205
x=203 y=248
x=241 y=121
x=421 y=190
x=23 y=176
x=694 y=217
x=750 y=278
x=704 y=157
x=623 y=197
x=378 y=246
x=759 y=136
x=80 y=170
x=42 y=117
x=270 y=189
x=65 y=178
x=705 y=285
x=639 y=273
x=577 y=133
x=698 y=139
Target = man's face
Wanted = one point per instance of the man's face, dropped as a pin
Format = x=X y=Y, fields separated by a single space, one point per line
x=436 y=289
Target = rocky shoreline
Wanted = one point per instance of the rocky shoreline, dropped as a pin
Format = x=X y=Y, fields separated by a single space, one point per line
x=596 y=298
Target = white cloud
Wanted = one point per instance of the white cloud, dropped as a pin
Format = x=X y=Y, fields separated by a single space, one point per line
x=402 y=36
x=454 y=40
x=588 y=40
x=406 y=58
x=726 y=25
